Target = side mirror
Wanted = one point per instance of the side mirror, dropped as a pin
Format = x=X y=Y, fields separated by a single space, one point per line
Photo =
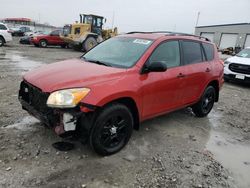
x=154 y=67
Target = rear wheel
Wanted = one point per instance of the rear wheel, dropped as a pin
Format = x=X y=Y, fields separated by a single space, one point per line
x=89 y=43
x=63 y=45
x=1 y=41
x=112 y=129
x=206 y=103
x=43 y=43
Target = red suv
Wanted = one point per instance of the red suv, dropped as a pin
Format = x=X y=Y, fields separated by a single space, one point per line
x=52 y=39
x=121 y=82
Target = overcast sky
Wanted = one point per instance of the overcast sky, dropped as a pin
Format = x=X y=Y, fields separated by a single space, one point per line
x=130 y=15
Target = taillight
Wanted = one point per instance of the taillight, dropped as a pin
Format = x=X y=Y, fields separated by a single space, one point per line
x=9 y=31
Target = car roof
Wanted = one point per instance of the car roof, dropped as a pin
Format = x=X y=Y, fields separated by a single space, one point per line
x=167 y=34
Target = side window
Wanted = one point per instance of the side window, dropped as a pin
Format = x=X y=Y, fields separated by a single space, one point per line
x=2 y=27
x=55 y=33
x=77 y=30
x=99 y=22
x=192 y=52
x=209 y=50
x=168 y=53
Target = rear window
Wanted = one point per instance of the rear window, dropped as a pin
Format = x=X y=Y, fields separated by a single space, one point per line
x=209 y=50
x=2 y=27
x=191 y=52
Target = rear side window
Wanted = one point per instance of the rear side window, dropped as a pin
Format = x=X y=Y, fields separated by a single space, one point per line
x=2 y=27
x=168 y=53
x=192 y=52
x=209 y=50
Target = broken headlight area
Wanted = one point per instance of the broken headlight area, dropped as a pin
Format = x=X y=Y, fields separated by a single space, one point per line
x=65 y=122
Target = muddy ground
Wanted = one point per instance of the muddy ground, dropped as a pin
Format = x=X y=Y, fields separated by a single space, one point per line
x=174 y=150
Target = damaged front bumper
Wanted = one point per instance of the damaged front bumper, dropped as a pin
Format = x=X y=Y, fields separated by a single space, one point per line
x=63 y=121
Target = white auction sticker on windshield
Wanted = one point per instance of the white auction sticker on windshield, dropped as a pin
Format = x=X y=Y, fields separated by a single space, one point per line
x=141 y=41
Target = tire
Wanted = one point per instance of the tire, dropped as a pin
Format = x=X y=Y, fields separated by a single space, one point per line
x=206 y=103
x=89 y=43
x=2 y=41
x=112 y=129
x=63 y=46
x=43 y=43
x=226 y=80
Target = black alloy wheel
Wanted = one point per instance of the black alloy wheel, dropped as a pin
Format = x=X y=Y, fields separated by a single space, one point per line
x=112 y=129
x=206 y=103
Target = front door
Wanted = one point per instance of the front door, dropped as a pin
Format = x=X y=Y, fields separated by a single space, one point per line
x=97 y=25
x=162 y=90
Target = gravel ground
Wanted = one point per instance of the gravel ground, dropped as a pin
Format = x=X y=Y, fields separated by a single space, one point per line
x=174 y=150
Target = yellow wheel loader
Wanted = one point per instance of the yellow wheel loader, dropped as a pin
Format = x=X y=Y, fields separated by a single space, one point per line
x=88 y=33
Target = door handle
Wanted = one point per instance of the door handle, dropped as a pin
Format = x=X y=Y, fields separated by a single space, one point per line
x=208 y=70
x=180 y=75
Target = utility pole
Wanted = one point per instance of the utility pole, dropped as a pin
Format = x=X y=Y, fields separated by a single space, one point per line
x=197 y=21
x=198 y=17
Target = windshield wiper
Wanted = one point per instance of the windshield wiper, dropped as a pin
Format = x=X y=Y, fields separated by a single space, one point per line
x=97 y=62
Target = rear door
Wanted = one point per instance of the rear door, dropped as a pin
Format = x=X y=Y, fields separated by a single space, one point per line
x=162 y=90
x=197 y=70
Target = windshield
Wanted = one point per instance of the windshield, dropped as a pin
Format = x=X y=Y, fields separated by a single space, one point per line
x=66 y=29
x=118 y=52
x=244 y=53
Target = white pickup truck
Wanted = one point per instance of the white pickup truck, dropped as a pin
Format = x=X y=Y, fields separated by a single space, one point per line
x=5 y=34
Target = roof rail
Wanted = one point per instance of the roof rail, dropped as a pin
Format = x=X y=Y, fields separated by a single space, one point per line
x=170 y=33
x=148 y=32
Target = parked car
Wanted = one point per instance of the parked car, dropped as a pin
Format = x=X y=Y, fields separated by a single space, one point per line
x=238 y=67
x=52 y=39
x=121 y=82
x=5 y=34
x=31 y=33
x=20 y=31
x=26 y=39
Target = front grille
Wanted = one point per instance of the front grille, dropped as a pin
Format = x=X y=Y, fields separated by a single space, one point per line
x=239 y=68
x=34 y=97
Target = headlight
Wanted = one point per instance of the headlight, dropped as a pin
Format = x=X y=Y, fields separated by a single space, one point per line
x=226 y=62
x=34 y=38
x=67 y=98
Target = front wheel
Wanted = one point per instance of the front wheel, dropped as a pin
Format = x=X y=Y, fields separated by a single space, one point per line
x=43 y=43
x=89 y=43
x=206 y=103
x=112 y=129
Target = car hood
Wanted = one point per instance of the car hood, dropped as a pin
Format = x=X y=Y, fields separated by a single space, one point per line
x=241 y=60
x=72 y=73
